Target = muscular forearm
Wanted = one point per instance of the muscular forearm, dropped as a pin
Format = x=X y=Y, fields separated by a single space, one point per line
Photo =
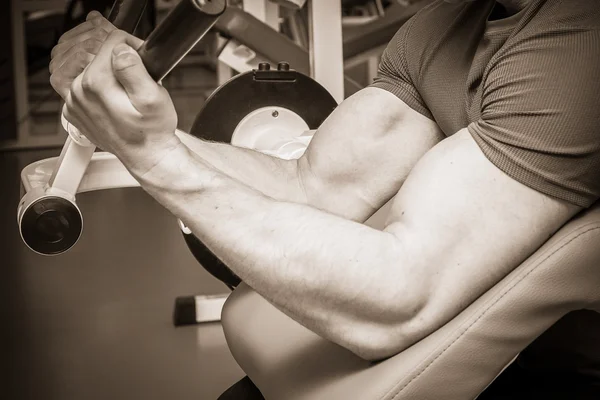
x=337 y=277
x=273 y=177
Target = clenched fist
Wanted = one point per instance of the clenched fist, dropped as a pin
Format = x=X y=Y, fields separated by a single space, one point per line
x=76 y=49
x=117 y=105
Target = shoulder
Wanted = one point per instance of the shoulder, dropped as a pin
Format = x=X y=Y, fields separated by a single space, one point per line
x=546 y=62
x=540 y=112
x=582 y=14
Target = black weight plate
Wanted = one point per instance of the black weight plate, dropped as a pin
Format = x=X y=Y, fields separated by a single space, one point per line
x=252 y=90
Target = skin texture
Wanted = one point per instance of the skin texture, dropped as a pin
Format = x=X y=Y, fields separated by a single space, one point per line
x=292 y=229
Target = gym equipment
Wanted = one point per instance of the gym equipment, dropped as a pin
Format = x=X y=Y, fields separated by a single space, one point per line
x=249 y=33
x=49 y=220
x=190 y=310
x=293 y=4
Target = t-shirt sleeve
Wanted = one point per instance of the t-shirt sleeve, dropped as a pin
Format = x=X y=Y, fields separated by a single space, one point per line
x=393 y=74
x=540 y=120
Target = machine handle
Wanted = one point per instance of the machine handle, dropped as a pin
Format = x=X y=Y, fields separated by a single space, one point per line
x=49 y=220
x=126 y=14
x=185 y=25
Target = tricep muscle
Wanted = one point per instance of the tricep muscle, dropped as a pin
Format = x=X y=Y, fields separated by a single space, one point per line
x=465 y=224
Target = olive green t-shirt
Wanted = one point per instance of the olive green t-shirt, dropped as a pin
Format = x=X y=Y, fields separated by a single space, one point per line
x=527 y=86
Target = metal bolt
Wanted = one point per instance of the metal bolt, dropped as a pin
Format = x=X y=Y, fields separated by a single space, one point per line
x=275 y=114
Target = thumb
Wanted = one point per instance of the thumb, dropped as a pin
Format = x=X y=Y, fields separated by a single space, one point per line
x=130 y=71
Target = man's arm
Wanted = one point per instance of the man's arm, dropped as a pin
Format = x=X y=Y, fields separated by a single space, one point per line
x=361 y=177
x=357 y=160
x=458 y=225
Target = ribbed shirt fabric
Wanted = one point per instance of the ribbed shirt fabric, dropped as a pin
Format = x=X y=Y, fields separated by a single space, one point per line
x=527 y=86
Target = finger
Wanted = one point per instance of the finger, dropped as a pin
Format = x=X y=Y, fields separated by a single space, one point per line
x=94 y=19
x=87 y=36
x=114 y=38
x=62 y=78
x=97 y=32
x=90 y=42
x=100 y=72
x=70 y=113
x=133 y=76
x=75 y=113
x=74 y=32
x=96 y=28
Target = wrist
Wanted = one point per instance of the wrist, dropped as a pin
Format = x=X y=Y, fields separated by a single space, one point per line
x=140 y=159
x=177 y=170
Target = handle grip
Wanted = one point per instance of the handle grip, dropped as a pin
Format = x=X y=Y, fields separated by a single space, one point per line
x=185 y=25
x=126 y=14
x=49 y=220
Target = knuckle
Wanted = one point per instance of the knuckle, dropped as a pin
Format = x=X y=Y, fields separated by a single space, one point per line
x=69 y=101
x=81 y=58
x=63 y=38
x=100 y=34
x=88 y=83
x=91 y=45
x=54 y=81
x=75 y=88
x=104 y=24
x=58 y=85
x=93 y=14
x=54 y=51
x=107 y=26
x=73 y=32
x=148 y=101
x=144 y=104
x=117 y=34
x=125 y=61
x=96 y=20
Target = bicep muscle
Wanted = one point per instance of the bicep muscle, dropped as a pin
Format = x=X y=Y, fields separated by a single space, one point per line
x=362 y=153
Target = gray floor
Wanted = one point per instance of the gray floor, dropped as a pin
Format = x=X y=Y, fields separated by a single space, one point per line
x=95 y=323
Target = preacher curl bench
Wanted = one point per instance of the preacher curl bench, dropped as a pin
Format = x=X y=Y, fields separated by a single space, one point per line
x=270 y=110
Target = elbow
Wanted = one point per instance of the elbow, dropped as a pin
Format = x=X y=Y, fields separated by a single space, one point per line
x=376 y=346
x=397 y=323
x=376 y=341
x=373 y=351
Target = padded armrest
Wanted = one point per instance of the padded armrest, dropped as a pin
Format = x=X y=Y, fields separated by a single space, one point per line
x=457 y=362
